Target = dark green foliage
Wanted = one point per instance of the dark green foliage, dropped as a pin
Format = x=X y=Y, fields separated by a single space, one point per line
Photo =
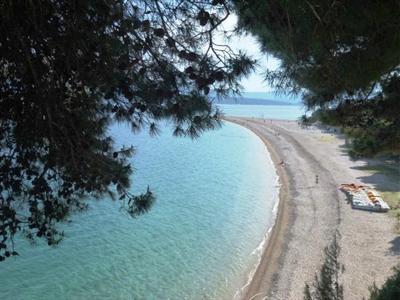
x=373 y=124
x=326 y=285
x=390 y=290
x=69 y=69
x=138 y=205
x=343 y=56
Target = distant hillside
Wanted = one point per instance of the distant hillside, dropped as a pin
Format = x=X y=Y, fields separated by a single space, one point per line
x=254 y=101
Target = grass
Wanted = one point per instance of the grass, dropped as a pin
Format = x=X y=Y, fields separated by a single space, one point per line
x=326 y=138
x=393 y=199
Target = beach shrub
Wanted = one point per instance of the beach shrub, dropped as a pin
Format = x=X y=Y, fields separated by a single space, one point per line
x=326 y=285
x=390 y=289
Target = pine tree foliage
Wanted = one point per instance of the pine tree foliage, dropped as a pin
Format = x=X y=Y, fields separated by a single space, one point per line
x=343 y=56
x=374 y=123
x=69 y=69
x=390 y=289
x=326 y=285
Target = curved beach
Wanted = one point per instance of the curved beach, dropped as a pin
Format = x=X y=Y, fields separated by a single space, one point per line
x=312 y=210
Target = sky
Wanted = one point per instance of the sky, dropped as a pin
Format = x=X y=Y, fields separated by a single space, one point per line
x=248 y=44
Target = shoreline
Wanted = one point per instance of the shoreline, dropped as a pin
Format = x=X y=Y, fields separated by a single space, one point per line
x=311 y=163
x=268 y=264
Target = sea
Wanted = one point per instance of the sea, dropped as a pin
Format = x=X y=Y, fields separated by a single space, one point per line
x=216 y=200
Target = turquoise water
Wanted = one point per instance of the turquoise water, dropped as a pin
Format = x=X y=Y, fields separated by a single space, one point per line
x=282 y=112
x=215 y=200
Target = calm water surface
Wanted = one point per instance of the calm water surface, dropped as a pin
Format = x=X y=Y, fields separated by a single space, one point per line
x=280 y=112
x=215 y=200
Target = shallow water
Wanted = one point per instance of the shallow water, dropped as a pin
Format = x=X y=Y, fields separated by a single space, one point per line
x=215 y=197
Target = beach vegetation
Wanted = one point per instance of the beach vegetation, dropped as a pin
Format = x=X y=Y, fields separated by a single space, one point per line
x=326 y=284
x=390 y=289
x=342 y=57
x=393 y=200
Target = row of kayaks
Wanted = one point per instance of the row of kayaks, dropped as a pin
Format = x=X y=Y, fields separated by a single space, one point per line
x=364 y=197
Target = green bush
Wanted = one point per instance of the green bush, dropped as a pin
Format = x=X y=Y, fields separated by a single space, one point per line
x=390 y=290
x=326 y=284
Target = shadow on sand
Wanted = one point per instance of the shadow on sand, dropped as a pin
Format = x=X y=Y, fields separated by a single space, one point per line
x=395 y=248
x=384 y=171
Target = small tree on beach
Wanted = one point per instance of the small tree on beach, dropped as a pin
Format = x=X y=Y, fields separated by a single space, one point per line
x=390 y=289
x=69 y=69
x=326 y=285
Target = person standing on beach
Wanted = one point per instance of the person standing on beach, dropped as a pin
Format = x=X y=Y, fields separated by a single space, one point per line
x=316 y=179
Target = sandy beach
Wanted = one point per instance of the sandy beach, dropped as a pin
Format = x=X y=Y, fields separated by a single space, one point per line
x=311 y=212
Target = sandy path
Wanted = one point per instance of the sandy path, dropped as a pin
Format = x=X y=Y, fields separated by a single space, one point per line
x=310 y=213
